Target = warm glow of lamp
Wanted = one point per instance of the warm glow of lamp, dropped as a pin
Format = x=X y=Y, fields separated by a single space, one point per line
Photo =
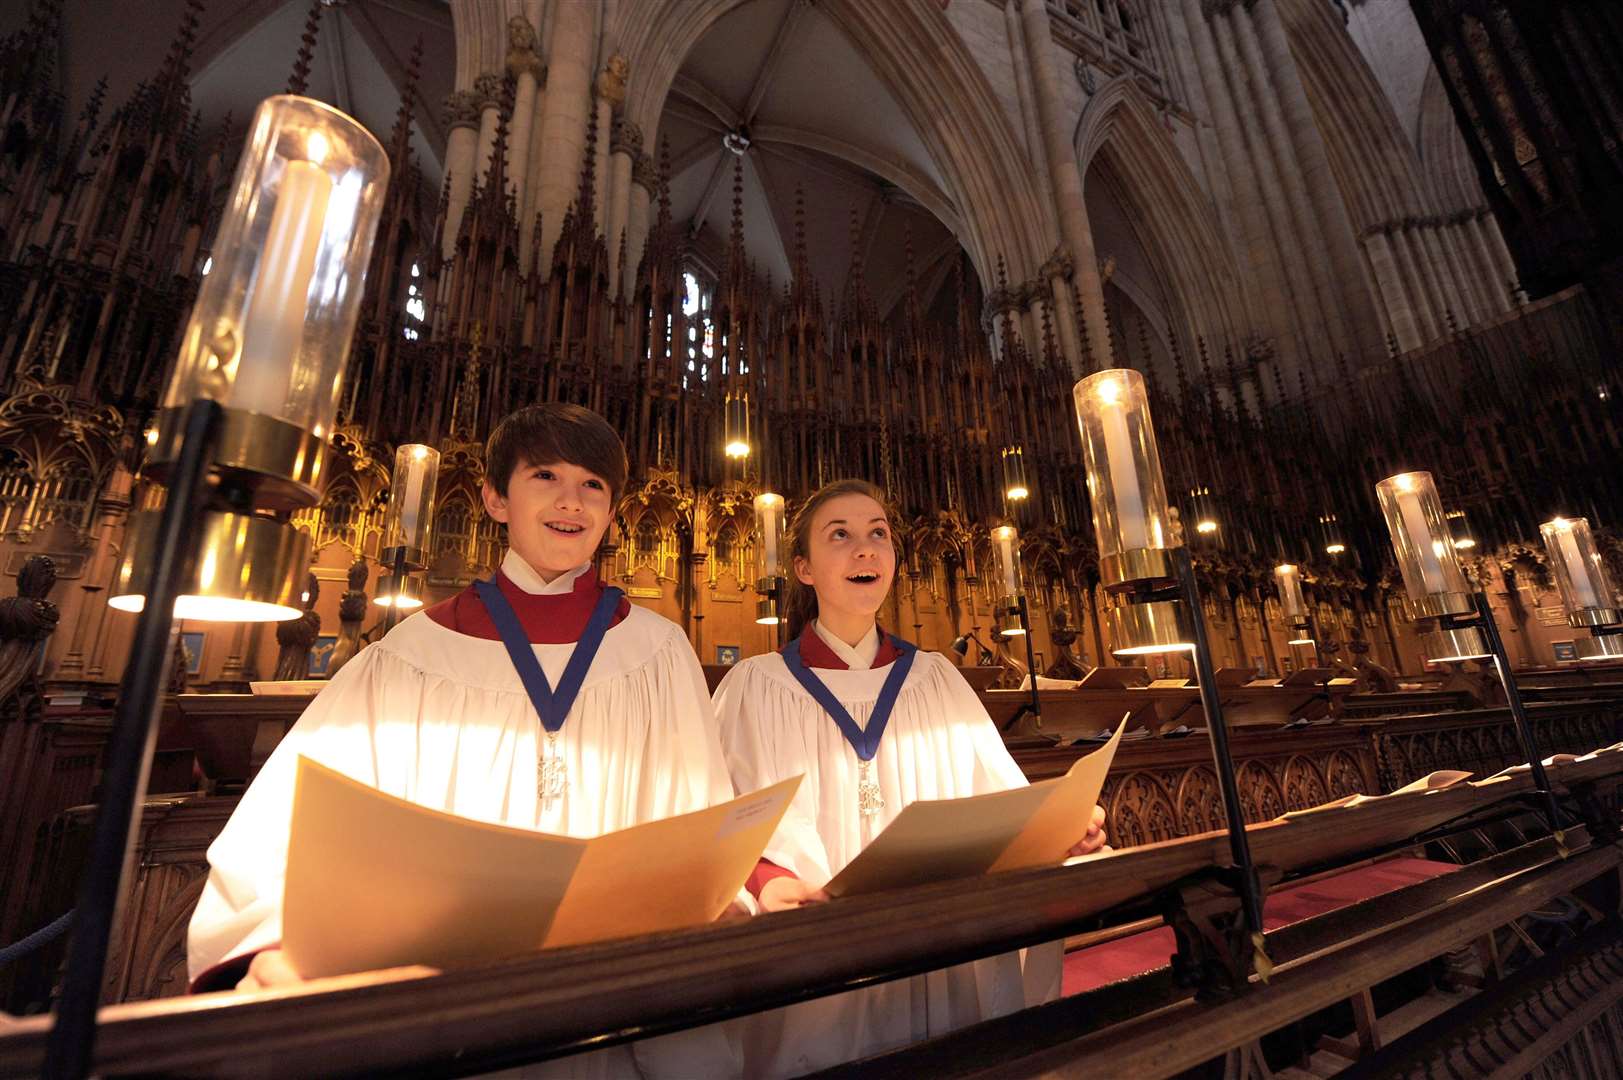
x=769 y=524
x=1007 y=539
x=1580 y=573
x=736 y=426
x=268 y=338
x=1123 y=465
x=1460 y=530
x=1015 y=488
x=413 y=489
x=1421 y=540
x=1334 y=549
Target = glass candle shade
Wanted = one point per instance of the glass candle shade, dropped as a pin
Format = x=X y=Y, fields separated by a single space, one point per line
x=270 y=332
x=1330 y=534
x=1015 y=488
x=412 y=490
x=769 y=531
x=1130 y=513
x=1423 y=545
x=1580 y=574
x=1007 y=540
x=1203 y=512
x=250 y=568
x=1459 y=530
x=1288 y=580
x=403 y=593
x=736 y=425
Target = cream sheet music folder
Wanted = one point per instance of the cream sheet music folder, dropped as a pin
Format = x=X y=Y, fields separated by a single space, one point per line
x=943 y=839
x=374 y=881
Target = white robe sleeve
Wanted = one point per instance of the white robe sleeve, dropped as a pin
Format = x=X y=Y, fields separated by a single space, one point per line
x=754 y=760
x=995 y=769
x=240 y=910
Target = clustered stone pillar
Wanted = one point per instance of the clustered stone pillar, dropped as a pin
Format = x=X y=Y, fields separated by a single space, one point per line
x=525 y=68
x=1065 y=176
x=461 y=149
x=625 y=147
x=1294 y=230
x=488 y=88
x=643 y=181
x=566 y=112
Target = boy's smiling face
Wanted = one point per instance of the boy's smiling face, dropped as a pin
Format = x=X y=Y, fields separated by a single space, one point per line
x=555 y=515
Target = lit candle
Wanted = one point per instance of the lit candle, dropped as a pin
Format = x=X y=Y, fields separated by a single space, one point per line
x=1289 y=582
x=1583 y=589
x=1007 y=538
x=415 y=473
x=1123 y=472
x=1427 y=557
x=768 y=516
x=273 y=328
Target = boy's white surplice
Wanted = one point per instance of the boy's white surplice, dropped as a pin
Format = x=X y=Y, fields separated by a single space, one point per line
x=939 y=744
x=441 y=718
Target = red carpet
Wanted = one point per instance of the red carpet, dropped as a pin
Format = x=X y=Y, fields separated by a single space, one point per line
x=1087 y=969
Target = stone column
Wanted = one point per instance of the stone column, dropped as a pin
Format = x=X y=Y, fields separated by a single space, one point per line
x=1303 y=318
x=1303 y=234
x=611 y=100
x=1499 y=255
x=566 y=113
x=461 y=146
x=625 y=147
x=524 y=66
x=1354 y=298
x=1494 y=282
x=1384 y=269
x=1066 y=178
x=1022 y=89
x=489 y=89
x=1057 y=272
x=643 y=182
x=1430 y=256
x=1274 y=307
x=1427 y=318
x=1448 y=234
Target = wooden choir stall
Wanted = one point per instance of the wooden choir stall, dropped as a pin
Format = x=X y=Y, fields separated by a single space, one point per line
x=1404 y=932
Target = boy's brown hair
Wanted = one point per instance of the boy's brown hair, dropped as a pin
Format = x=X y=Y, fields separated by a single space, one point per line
x=552 y=432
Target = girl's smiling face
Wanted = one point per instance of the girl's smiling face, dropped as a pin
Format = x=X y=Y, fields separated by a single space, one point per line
x=850 y=559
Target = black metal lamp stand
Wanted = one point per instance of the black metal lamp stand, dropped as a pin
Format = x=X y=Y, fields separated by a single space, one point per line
x=128 y=756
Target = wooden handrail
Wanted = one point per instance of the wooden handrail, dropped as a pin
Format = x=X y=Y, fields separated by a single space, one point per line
x=554 y=1002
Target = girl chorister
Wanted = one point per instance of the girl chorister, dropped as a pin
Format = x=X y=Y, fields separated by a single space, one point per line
x=874 y=723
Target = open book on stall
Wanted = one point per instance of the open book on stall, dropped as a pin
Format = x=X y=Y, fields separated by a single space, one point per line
x=1018 y=829
x=374 y=881
x=1432 y=781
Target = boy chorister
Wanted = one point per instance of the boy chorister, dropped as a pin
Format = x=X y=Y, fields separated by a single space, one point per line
x=542 y=699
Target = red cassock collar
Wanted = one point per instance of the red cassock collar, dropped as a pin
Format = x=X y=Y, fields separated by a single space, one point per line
x=548 y=619
x=815 y=653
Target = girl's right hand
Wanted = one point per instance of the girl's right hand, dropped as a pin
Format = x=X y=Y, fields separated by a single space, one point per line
x=786 y=893
x=268 y=969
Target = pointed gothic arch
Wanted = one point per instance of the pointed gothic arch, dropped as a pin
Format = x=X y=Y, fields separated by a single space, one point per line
x=1118 y=127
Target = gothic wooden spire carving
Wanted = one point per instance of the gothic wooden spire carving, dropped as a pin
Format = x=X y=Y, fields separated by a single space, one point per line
x=299 y=81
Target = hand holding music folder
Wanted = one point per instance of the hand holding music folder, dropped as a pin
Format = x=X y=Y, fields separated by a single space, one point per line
x=374 y=881
x=1018 y=829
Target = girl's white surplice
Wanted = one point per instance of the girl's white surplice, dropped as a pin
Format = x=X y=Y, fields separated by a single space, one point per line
x=939 y=744
x=440 y=718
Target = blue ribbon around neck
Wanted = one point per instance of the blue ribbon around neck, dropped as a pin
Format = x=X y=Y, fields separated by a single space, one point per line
x=551 y=706
x=865 y=741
